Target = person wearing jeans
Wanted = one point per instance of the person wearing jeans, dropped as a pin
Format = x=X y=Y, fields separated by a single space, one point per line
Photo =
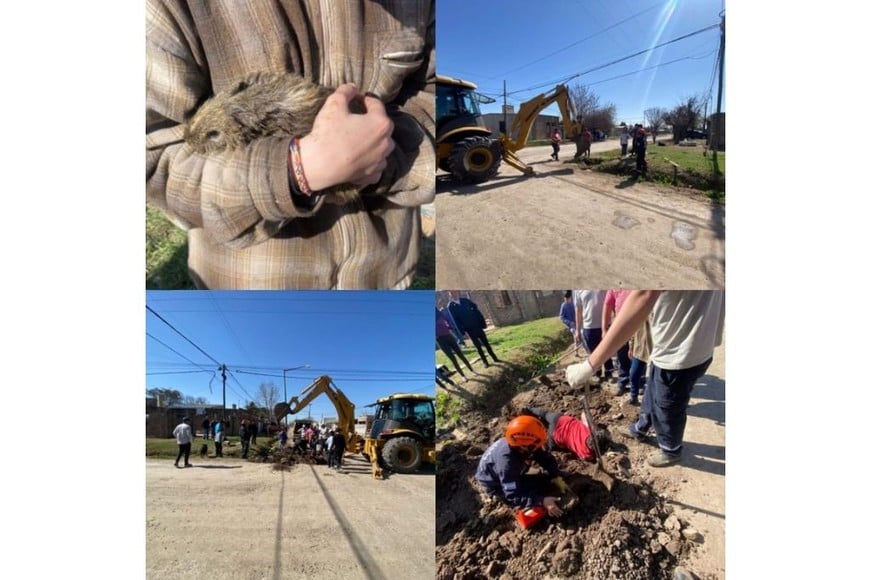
x=686 y=326
x=613 y=301
x=639 y=350
x=184 y=437
x=589 y=307
x=447 y=342
x=664 y=407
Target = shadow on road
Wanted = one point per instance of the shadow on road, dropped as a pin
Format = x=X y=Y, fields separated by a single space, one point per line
x=368 y=565
x=446 y=184
x=703 y=457
x=276 y=564
x=217 y=466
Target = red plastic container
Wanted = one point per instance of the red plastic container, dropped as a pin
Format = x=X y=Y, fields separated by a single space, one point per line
x=528 y=517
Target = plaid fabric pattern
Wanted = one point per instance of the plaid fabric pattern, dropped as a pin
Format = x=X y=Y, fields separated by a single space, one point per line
x=244 y=228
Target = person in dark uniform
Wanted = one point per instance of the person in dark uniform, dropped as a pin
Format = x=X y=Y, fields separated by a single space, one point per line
x=471 y=322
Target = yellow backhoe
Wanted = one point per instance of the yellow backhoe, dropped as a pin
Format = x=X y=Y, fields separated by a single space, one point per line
x=466 y=148
x=401 y=435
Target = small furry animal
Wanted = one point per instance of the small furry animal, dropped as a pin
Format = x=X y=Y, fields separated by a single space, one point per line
x=203 y=451
x=262 y=105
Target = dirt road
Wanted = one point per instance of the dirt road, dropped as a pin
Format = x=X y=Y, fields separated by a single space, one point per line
x=566 y=227
x=226 y=518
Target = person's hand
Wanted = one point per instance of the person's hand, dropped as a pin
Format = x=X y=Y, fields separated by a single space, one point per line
x=551 y=504
x=579 y=374
x=345 y=147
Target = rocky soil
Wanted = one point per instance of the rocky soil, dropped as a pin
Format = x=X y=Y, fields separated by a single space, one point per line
x=628 y=533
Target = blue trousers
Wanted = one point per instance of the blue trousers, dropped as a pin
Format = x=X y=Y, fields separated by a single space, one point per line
x=637 y=377
x=665 y=402
x=624 y=372
x=591 y=339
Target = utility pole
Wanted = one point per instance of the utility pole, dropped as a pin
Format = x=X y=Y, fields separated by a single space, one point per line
x=223 y=369
x=504 y=107
x=284 y=372
x=719 y=123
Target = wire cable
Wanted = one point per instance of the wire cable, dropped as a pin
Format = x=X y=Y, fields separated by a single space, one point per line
x=152 y=311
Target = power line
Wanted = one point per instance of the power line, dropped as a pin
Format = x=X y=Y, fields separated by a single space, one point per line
x=229 y=328
x=573 y=44
x=177 y=373
x=647 y=68
x=172 y=349
x=619 y=60
x=151 y=310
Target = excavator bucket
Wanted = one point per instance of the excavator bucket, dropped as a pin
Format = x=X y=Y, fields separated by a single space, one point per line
x=281 y=411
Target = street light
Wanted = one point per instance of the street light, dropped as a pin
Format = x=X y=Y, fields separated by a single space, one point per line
x=284 y=372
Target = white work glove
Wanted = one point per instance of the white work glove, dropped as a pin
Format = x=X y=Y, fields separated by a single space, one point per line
x=579 y=374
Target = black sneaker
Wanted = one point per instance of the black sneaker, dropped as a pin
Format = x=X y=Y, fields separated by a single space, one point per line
x=633 y=402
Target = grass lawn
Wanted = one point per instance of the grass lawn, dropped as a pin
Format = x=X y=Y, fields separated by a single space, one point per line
x=695 y=170
x=168 y=448
x=165 y=254
x=519 y=343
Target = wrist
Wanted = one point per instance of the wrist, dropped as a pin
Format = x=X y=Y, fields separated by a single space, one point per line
x=312 y=155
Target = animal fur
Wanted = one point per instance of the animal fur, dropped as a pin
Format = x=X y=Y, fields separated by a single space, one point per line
x=261 y=105
x=203 y=451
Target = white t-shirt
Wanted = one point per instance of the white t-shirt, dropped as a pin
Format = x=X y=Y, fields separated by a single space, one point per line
x=183 y=434
x=592 y=303
x=686 y=325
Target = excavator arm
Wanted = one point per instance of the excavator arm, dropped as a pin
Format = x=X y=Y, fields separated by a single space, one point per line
x=525 y=120
x=343 y=407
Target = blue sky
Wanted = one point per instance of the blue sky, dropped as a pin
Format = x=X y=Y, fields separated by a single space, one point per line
x=541 y=44
x=372 y=344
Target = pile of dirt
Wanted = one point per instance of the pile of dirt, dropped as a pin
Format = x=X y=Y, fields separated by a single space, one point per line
x=629 y=533
x=282 y=458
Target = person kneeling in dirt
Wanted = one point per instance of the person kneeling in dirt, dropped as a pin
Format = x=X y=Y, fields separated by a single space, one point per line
x=568 y=432
x=501 y=472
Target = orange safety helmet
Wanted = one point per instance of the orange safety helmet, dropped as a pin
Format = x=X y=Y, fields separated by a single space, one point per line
x=526 y=431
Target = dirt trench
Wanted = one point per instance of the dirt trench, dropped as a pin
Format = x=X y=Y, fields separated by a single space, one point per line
x=629 y=533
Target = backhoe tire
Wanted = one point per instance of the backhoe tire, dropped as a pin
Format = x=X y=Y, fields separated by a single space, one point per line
x=474 y=159
x=403 y=454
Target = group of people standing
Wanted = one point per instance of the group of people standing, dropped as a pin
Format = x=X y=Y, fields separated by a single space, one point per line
x=462 y=317
x=681 y=330
x=583 y=139
x=637 y=136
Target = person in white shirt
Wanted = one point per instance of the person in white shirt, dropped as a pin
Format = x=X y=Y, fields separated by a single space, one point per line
x=685 y=327
x=184 y=437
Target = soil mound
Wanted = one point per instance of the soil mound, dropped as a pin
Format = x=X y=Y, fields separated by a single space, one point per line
x=628 y=533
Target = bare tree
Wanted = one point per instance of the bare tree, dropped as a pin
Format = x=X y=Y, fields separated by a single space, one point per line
x=655 y=120
x=194 y=401
x=685 y=116
x=588 y=106
x=267 y=394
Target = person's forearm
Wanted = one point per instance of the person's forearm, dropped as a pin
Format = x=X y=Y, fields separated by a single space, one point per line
x=634 y=311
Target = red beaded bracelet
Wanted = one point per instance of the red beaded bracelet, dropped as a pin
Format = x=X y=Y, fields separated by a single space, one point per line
x=295 y=160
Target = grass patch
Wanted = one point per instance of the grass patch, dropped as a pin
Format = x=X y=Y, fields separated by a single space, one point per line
x=168 y=448
x=425 y=277
x=447 y=409
x=695 y=169
x=165 y=254
x=518 y=343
